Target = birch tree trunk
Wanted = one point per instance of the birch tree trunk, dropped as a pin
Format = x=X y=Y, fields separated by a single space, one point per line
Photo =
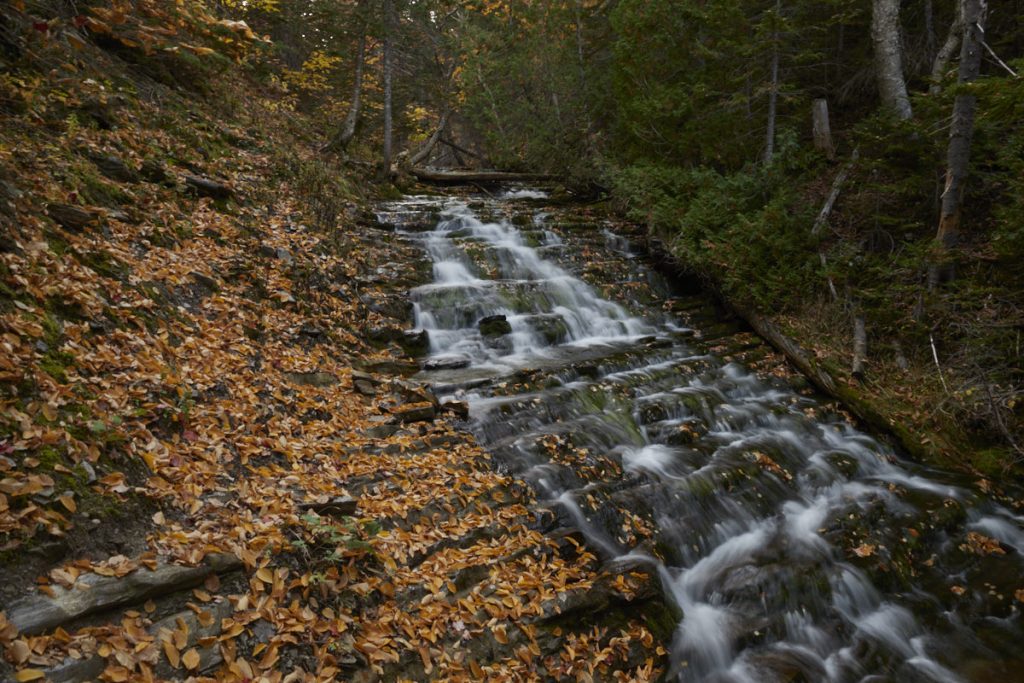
x=945 y=53
x=389 y=10
x=773 y=94
x=959 y=151
x=885 y=34
x=344 y=136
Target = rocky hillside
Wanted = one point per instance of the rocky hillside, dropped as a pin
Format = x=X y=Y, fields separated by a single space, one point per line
x=210 y=465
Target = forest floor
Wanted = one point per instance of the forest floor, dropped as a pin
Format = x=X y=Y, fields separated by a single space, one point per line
x=203 y=421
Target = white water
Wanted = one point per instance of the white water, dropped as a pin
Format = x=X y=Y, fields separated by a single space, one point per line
x=753 y=508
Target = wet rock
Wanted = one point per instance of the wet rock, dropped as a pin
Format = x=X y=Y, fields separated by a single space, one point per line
x=311 y=379
x=207 y=187
x=339 y=506
x=452 y=363
x=494 y=326
x=73 y=218
x=552 y=328
x=459 y=409
x=414 y=412
x=415 y=343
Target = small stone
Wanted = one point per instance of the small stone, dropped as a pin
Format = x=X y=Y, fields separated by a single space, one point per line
x=205 y=281
x=365 y=388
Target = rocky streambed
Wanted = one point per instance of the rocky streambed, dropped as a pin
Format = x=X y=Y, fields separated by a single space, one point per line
x=788 y=544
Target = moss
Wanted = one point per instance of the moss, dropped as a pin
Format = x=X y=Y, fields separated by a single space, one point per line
x=102 y=263
x=992 y=461
x=86 y=180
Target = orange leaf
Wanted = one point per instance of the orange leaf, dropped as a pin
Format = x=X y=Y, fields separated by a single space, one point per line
x=191 y=659
x=173 y=656
x=69 y=503
x=265 y=575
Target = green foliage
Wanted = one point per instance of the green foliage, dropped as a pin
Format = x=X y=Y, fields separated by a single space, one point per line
x=747 y=231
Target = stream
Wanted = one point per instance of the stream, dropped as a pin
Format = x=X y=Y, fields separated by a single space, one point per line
x=795 y=546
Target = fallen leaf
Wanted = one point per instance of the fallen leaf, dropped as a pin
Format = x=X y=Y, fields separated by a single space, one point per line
x=191 y=659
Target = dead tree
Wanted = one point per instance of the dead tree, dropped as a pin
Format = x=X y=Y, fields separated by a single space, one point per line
x=958 y=152
x=885 y=34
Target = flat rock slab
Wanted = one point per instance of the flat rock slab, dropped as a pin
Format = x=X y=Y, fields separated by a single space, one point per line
x=414 y=412
x=392 y=367
x=73 y=218
x=311 y=379
x=341 y=506
x=447 y=363
x=206 y=187
x=93 y=593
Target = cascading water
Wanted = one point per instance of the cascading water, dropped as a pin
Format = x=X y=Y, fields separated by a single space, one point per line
x=773 y=515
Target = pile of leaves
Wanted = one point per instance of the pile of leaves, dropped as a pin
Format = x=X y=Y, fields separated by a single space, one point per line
x=176 y=383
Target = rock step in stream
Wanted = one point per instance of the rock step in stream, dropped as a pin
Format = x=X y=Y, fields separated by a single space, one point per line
x=789 y=545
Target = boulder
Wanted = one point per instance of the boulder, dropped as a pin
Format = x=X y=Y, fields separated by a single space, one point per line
x=494 y=326
x=415 y=342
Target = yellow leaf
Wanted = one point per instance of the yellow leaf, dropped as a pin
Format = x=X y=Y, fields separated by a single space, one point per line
x=265 y=575
x=173 y=656
x=191 y=659
x=29 y=675
x=499 y=634
x=69 y=503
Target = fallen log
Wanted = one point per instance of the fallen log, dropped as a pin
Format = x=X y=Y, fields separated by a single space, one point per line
x=434 y=175
x=95 y=593
x=860 y=347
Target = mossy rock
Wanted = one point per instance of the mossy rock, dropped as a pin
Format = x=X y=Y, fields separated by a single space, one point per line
x=494 y=326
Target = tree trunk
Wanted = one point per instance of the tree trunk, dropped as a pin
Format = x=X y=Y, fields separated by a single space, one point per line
x=822 y=128
x=860 y=347
x=960 y=134
x=885 y=34
x=421 y=155
x=389 y=10
x=344 y=136
x=773 y=94
x=945 y=53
